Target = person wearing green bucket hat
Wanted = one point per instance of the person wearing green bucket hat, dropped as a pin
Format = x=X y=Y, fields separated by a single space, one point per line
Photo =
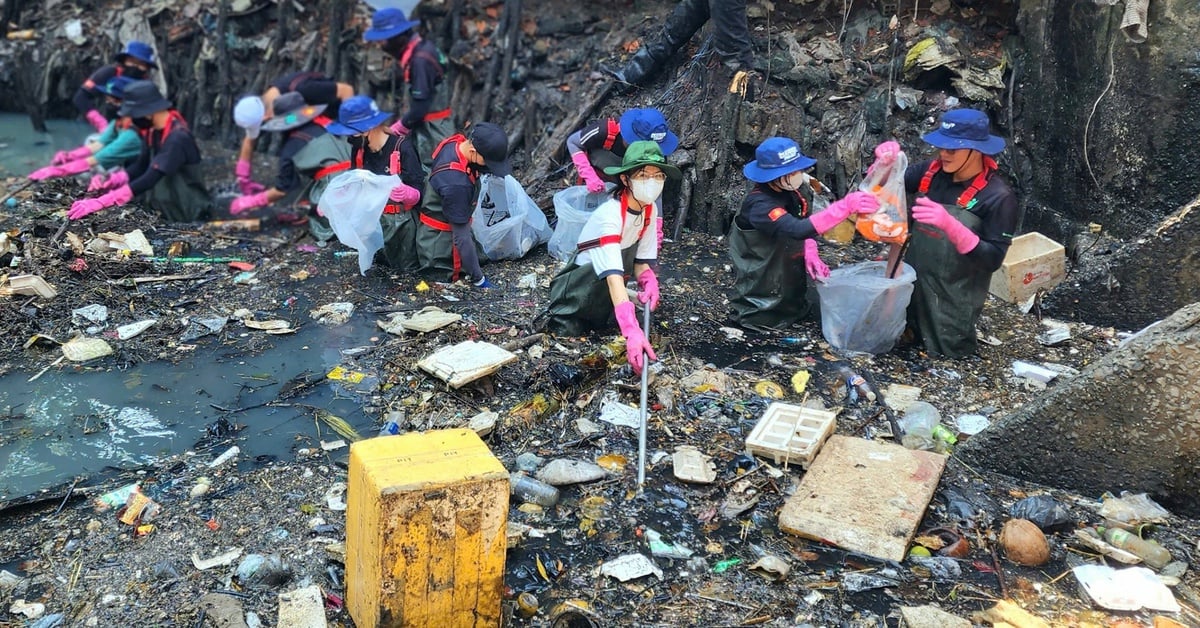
x=589 y=292
x=963 y=217
x=774 y=229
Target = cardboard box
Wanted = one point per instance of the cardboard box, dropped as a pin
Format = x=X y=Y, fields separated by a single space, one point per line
x=426 y=515
x=1034 y=262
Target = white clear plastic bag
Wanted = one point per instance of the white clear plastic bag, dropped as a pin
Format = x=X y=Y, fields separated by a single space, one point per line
x=861 y=310
x=507 y=223
x=890 y=222
x=573 y=206
x=353 y=203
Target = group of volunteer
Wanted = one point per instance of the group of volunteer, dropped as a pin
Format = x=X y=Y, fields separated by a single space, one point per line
x=961 y=214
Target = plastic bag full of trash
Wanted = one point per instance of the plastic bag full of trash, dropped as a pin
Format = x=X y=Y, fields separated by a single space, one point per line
x=353 y=203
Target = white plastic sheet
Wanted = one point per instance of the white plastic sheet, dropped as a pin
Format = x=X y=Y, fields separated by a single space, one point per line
x=353 y=203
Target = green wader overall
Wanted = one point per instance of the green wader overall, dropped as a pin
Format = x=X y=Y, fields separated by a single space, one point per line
x=949 y=293
x=317 y=164
x=399 y=224
x=437 y=259
x=579 y=300
x=439 y=122
x=182 y=196
x=771 y=289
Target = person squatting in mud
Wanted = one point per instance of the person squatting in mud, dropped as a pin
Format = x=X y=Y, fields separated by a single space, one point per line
x=589 y=292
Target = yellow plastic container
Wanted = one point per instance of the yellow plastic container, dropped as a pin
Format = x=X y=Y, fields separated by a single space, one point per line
x=425 y=531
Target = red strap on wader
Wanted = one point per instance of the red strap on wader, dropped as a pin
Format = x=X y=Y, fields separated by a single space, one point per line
x=967 y=198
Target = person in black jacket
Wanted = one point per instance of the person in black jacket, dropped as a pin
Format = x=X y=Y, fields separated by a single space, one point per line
x=136 y=61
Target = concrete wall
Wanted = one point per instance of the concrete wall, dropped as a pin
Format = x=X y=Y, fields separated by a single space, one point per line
x=1129 y=422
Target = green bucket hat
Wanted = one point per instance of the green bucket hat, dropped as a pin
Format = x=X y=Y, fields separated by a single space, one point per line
x=644 y=153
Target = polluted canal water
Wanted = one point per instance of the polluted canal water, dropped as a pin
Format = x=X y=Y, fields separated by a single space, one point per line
x=70 y=424
x=23 y=150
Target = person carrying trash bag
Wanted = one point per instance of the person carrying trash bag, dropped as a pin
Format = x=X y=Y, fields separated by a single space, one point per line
x=589 y=291
x=252 y=112
x=166 y=175
x=772 y=240
x=423 y=68
x=446 y=248
x=307 y=158
x=117 y=145
x=374 y=147
x=135 y=62
x=961 y=225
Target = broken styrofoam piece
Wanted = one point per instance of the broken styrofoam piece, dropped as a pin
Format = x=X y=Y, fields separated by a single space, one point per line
x=692 y=465
x=900 y=396
x=125 y=332
x=430 y=318
x=483 y=423
x=1033 y=372
x=335 y=496
x=790 y=433
x=220 y=560
x=1129 y=589
x=31 y=285
x=630 y=567
x=1056 y=333
x=562 y=472
x=302 y=608
x=465 y=362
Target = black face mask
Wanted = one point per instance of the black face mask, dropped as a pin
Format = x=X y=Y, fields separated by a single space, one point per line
x=396 y=45
x=358 y=141
x=143 y=123
x=133 y=72
x=110 y=110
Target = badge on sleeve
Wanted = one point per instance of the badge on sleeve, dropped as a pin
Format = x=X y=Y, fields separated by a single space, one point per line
x=777 y=213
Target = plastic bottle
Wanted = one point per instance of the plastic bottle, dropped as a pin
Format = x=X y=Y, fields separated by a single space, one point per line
x=918 y=423
x=533 y=491
x=1152 y=554
x=856 y=386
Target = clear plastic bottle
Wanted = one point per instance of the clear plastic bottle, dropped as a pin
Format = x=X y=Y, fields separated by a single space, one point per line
x=856 y=385
x=1152 y=554
x=532 y=490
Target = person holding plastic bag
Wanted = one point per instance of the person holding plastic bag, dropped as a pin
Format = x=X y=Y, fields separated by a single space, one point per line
x=772 y=240
x=166 y=175
x=446 y=248
x=962 y=223
x=589 y=292
x=376 y=148
x=308 y=156
x=602 y=143
x=117 y=145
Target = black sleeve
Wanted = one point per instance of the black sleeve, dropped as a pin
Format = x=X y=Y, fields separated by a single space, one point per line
x=412 y=173
x=456 y=191
x=137 y=167
x=146 y=180
x=1001 y=214
x=772 y=219
x=85 y=97
x=422 y=82
x=287 y=179
x=591 y=136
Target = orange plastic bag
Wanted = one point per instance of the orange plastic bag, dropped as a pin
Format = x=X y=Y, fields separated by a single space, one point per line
x=890 y=223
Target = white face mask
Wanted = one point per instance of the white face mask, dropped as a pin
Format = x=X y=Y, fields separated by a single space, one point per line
x=646 y=191
x=794 y=181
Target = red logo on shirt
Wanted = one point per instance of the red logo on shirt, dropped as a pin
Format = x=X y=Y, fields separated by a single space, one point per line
x=777 y=213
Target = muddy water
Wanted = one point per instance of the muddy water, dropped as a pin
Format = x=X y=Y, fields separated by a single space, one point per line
x=22 y=150
x=68 y=424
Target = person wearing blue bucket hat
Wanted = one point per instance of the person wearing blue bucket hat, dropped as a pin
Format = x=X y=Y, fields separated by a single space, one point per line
x=376 y=148
x=602 y=143
x=135 y=61
x=774 y=229
x=962 y=222
x=166 y=175
x=588 y=293
x=115 y=146
x=421 y=66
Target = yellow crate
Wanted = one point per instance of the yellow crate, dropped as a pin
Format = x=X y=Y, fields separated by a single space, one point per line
x=1034 y=262
x=426 y=515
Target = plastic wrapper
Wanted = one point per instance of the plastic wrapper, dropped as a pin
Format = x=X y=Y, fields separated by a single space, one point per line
x=1043 y=511
x=507 y=223
x=861 y=310
x=890 y=222
x=353 y=203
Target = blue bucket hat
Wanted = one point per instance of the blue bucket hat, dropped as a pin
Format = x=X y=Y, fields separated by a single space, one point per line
x=358 y=114
x=387 y=23
x=776 y=157
x=648 y=124
x=138 y=50
x=115 y=87
x=965 y=128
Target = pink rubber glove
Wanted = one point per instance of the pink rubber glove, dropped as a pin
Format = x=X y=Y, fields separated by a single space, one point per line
x=86 y=206
x=587 y=172
x=648 y=288
x=248 y=202
x=49 y=172
x=245 y=183
x=852 y=203
x=101 y=183
x=63 y=156
x=636 y=342
x=96 y=119
x=406 y=195
x=932 y=213
x=812 y=261
x=886 y=154
x=399 y=129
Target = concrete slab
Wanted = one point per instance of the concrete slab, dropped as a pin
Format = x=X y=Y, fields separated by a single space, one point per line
x=864 y=496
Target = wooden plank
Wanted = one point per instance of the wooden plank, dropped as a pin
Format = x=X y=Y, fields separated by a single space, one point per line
x=465 y=362
x=864 y=496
